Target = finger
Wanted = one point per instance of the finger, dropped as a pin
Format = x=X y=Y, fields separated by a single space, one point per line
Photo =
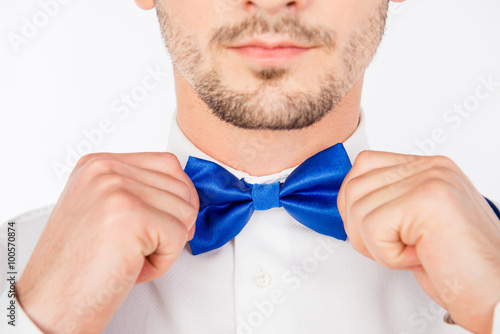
x=355 y=187
x=163 y=162
x=139 y=169
x=184 y=189
x=365 y=203
x=152 y=178
x=382 y=176
x=359 y=246
x=365 y=162
x=160 y=199
x=106 y=174
x=406 y=257
x=361 y=185
x=391 y=231
x=163 y=237
x=370 y=160
x=394 y=255
x=366 y=242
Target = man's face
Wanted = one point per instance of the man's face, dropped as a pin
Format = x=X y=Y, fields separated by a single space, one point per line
x=272 y=64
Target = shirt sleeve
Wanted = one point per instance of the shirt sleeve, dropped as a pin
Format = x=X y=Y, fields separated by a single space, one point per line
x=496 y=320
x=27 y=227
x=22 y=323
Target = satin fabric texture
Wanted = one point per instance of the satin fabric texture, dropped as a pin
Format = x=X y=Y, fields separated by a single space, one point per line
x=309 y=195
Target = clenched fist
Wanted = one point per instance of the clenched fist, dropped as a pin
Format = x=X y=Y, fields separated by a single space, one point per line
x=121 y=220
x=423 y=214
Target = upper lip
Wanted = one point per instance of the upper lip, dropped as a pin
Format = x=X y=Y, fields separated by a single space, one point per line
x=270 y=44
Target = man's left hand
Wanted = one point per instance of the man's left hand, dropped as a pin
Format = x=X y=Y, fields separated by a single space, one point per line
x=423 y=214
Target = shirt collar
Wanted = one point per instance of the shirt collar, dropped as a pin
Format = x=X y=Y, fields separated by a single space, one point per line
x=180 y=146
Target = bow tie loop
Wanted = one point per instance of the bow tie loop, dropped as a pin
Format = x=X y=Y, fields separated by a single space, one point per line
x=266 y=196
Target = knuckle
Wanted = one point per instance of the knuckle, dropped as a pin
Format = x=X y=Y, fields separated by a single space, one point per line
x=87 y=173
x=370 y=224
x=176 y=235
x=435 y=188
x=181 y=231
x=183 y=191
x=171 y=160
x=96 y=166
x=87 y=157
x=123 y=201
x=356 y=212
x=438 y=173
x=352 y=188
x=189 y=214
x=440 y=160
x=368 y=221
x=120 y=209
x=364 y=156
x=108 y=182
x=363 y=159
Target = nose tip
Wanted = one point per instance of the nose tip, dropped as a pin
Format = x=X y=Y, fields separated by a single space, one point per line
x=275 y=6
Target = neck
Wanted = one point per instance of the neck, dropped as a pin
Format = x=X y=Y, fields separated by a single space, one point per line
x=262 y=152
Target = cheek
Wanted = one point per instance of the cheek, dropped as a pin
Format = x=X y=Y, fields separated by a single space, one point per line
x=197 y=18
x=186 y=26
x=347 y=16
x=193 y=18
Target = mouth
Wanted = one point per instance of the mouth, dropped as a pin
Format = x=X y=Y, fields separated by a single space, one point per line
x=268 y=52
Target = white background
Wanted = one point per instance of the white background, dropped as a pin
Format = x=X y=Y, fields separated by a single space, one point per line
x=69 y=74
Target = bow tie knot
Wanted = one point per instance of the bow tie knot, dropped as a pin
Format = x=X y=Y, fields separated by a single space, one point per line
x=309 y=195
x=266 y=196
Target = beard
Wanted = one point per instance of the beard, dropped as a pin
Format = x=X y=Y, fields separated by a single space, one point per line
x=270 y=106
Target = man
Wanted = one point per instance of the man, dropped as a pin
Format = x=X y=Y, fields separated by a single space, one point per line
x=266 y=89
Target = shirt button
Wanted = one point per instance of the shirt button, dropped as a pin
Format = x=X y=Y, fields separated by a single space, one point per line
x=262 y=279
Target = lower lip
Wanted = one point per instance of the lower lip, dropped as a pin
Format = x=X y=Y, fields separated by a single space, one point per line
x=272 y=56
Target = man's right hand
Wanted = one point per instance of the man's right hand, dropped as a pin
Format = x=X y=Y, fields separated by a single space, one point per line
x=121 y=220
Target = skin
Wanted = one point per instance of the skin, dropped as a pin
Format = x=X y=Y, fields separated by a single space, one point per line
x=124 y=218
x=243 y=148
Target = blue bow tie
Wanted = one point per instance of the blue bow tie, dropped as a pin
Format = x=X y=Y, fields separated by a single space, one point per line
x=309 y=194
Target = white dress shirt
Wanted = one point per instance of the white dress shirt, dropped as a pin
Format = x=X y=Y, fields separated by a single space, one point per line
x=276 y=276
